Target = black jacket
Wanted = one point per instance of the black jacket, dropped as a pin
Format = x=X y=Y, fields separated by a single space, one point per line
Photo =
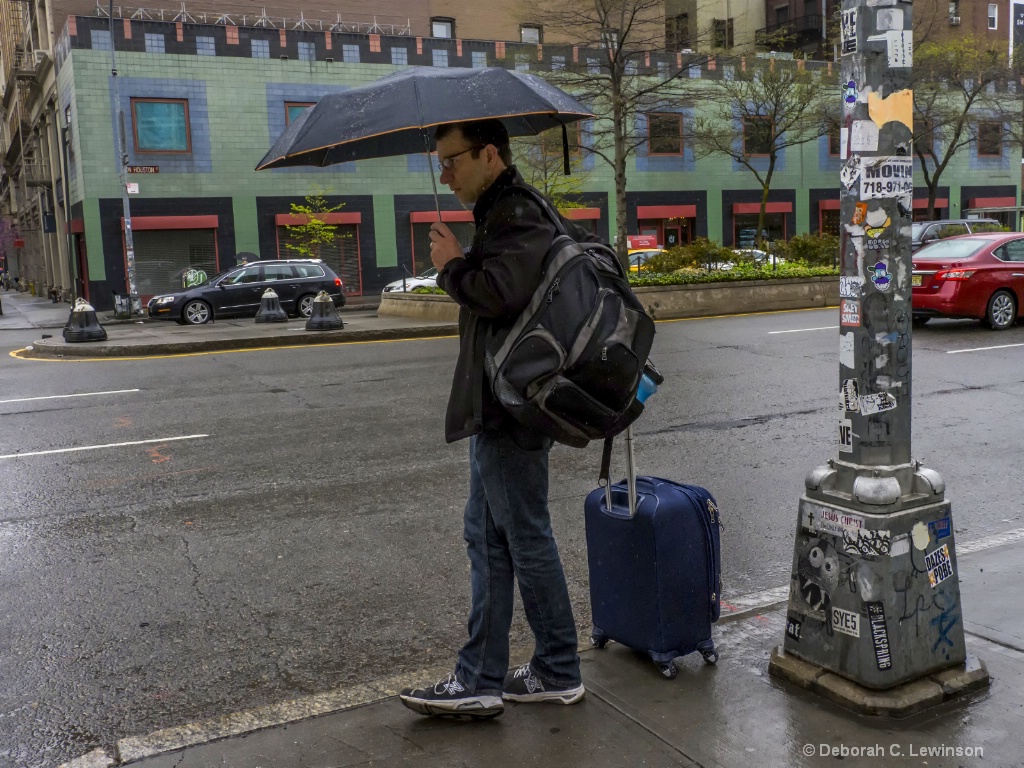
x=492 y=285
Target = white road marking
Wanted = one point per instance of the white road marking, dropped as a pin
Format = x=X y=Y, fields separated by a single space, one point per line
x=80 y=394
x=801 y=330
x=982 y=349
x=97 y=447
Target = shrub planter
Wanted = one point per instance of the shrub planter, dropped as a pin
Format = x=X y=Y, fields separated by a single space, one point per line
x=665 y=302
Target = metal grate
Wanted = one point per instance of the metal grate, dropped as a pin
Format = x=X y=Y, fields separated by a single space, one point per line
x=162 y=257
x=342 y=255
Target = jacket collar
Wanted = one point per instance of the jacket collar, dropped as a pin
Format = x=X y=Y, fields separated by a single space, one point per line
x=508 y=178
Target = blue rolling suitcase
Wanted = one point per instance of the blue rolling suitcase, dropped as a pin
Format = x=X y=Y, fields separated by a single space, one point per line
x=655 y=572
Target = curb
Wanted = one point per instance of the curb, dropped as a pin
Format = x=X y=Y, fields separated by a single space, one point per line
x=43 y=350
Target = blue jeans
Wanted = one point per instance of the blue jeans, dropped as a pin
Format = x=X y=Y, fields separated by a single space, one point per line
x=508 y=535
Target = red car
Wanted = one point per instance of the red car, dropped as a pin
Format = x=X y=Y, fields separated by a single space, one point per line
x=980 y=275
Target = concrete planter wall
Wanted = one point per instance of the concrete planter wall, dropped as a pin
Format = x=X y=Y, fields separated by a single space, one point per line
x=665 y=302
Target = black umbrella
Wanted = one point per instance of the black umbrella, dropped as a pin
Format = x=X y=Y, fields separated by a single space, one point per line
x=396 y=115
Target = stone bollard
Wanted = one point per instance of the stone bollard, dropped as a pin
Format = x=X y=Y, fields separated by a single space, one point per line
x=82 y=324
x=270 y=309
x=324 y=317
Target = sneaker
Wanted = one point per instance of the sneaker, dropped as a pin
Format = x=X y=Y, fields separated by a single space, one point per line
x=449 y=698
x=521 y=684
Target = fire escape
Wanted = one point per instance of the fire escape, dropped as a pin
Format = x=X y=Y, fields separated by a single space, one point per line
x=25 y=173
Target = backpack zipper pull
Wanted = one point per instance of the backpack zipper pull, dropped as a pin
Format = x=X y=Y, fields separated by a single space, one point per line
x=604 y=354
x=553 y=289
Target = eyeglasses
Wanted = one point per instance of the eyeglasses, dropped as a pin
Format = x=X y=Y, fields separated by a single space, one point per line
x=447 y=163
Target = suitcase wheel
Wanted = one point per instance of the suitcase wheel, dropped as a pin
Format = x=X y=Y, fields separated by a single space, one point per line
x=669 y=670
x=707 y=650
x=598 y=640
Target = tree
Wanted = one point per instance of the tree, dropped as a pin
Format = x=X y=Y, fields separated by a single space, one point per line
x=309 y=238
x=956 y=103
x=613 y=41
x=541 y=162
x=755 y=115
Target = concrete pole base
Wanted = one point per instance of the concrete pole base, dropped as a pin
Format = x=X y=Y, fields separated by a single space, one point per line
x=902 y=701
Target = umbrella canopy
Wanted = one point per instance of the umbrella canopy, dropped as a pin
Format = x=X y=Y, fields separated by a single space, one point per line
x=396 y=115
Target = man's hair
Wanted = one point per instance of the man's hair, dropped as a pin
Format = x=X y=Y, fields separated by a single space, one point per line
x=480 y=133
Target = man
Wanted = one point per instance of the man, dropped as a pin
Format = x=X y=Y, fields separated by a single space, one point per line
x=507 y=523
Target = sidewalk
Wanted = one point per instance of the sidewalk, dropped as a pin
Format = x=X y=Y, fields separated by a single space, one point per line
x=732 y=715
x=143 y=336
x=23 y=310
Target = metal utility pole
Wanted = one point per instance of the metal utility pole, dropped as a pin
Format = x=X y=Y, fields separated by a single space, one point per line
x=875 y=596
x=134 y=307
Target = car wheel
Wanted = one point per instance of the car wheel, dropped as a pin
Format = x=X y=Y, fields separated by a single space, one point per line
x=1002 y=311
x=196 y=312
x=305 y=305
x=920 y=320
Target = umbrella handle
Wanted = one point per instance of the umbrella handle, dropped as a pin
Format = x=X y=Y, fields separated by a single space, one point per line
x=430 y=167
x=565 y=150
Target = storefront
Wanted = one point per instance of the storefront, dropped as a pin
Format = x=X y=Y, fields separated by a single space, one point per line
x=672 y=225
x=744 y=222
x=1003 y=209
x=166 y=247
x=342 y=254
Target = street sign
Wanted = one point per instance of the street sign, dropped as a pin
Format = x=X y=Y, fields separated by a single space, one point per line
x=143 y=169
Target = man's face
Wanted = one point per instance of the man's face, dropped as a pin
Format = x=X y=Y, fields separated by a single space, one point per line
x=469 y=176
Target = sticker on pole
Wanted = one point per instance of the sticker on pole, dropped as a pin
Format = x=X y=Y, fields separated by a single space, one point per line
x=939 y=565
x=793 y=627
x=879 y=635
x=848 y=31
x=849 y=313
x=845 y=436
x=849 y=396
x=884 y=178
x=879 y=402
x=846 y=622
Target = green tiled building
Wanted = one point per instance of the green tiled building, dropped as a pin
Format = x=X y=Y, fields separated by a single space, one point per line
x=202 y=103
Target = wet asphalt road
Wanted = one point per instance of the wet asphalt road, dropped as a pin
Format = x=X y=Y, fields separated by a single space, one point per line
x=312 y=539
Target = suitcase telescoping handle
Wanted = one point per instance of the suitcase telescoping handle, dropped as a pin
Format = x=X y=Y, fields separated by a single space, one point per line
x=649 y=382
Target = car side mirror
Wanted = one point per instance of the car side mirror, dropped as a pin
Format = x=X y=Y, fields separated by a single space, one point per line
x=222 y=285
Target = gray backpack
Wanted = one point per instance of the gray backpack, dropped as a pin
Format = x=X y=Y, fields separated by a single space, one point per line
x=570 y=365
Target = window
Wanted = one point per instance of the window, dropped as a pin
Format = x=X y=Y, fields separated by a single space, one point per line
x=557 y=63
x=100 y=39
x=1012 y=251
x=307 y=51
x=664 y=134
x=479 y=59
x=247 y=275
x=723 y=33
x=277 y=272
x=834 y=134
x=728 y=72
x=631 y=67
x=308 y=270
x=154 y=43
x=161 y=125
x=757 y=136
x=993 y=16
x=400 y=57
x=522 y=62
x=440 y=57
x=677 y=32
x=593 y=66
x=350 y=53
x=782 y=15
x=260 y=49
x=663 y=70
x=990 y=139
x=441 y=26
x=206 y=46
x=954 y=9
x=531 y=33
x=292 y=109
x=609 y=38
